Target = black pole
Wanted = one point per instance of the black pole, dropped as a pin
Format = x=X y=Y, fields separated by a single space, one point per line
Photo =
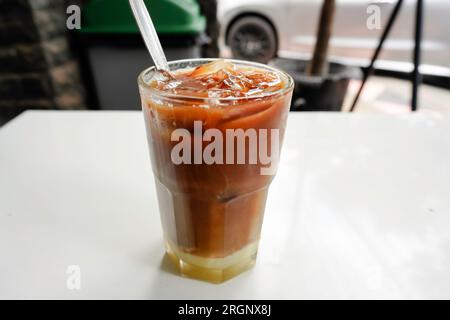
x=416 y=76
x=369 y=70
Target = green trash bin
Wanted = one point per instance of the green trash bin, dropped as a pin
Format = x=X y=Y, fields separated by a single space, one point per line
x=116 y=52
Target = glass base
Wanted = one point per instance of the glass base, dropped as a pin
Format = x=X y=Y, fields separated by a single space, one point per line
x=215 y=270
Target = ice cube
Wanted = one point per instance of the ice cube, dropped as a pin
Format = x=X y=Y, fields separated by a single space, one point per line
x=172 y=84
x=211 y=67
x=233 y=83
x=253 y=92
x=219 y=93
x=163 y=76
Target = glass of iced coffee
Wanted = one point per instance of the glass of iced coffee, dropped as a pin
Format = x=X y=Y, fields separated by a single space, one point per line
x=214 y=129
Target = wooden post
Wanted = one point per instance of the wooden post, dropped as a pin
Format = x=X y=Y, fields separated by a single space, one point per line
x=319 y=59
x=209 y=10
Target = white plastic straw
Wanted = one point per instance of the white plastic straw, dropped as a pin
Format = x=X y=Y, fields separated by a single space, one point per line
x=148 y=32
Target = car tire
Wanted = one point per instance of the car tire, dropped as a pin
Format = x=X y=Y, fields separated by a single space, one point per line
x=252 y=38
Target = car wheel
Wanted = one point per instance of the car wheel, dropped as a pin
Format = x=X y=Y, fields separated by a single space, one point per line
x=252 y=38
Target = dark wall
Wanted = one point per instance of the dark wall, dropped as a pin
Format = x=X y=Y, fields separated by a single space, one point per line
x=37 y=67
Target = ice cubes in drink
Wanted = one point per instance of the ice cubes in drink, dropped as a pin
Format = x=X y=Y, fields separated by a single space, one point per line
x=219 y=79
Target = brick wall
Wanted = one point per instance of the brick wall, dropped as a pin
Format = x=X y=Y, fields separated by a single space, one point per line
x=37 y=67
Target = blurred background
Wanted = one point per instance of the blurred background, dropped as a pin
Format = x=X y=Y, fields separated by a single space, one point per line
x=61 y=54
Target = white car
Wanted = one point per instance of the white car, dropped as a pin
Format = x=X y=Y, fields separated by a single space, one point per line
x=262 y=29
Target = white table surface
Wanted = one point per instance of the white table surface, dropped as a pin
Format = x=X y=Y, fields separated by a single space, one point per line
x=360 y=208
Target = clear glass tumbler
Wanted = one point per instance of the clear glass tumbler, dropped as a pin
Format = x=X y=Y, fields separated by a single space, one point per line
x=212 y=210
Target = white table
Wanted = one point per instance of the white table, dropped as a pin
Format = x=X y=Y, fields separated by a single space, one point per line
x=360 y=208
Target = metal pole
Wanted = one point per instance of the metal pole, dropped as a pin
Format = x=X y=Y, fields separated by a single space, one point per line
x=416 y=76
x=369 y=70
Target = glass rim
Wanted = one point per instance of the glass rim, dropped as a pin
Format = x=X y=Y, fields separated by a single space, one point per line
x=286 y=88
